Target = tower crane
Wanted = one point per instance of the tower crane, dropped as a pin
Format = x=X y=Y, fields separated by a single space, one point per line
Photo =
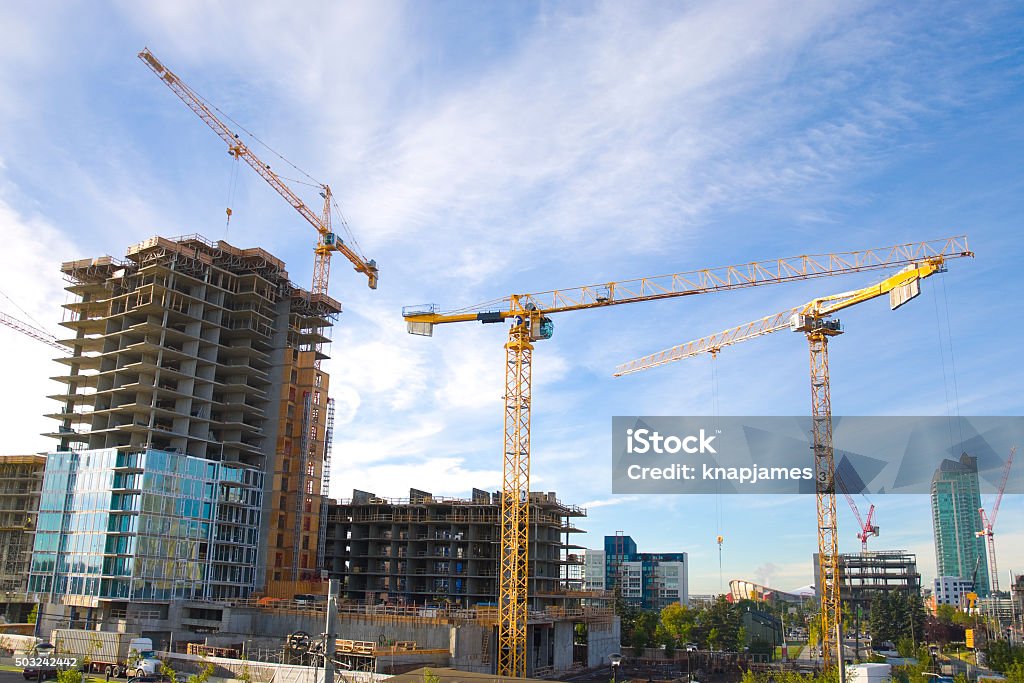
x=987 y=523
x=529 y=315
x=865 y=529
x=814 y=320
x=327 y=241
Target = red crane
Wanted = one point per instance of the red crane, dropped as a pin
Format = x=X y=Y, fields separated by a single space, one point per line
x=987 y=524
x=865 y=528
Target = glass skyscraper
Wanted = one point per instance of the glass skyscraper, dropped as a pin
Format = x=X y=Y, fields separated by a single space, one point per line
x=118 y=524
x=956 y=498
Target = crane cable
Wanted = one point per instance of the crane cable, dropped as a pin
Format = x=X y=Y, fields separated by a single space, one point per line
x=232 y=186
x=953 y=401
x=25 y=313
x=718 y=492
x=311 y=180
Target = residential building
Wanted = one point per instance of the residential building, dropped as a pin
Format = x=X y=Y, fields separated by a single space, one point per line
x=431 y=550
x=193 y=367
x=863 y=576
x=593 y=570
x=646 y=580
x=951 y=590
x=956 y=498
x=21 y=478
x=117 y=526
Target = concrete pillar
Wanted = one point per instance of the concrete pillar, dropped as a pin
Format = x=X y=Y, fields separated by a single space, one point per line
x=563 y=634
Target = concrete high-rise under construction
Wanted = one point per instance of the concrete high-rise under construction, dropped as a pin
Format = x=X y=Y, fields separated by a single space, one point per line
x=956 y=498
x=193 y=433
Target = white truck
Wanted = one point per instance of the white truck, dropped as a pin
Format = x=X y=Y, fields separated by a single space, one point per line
x=115 y=654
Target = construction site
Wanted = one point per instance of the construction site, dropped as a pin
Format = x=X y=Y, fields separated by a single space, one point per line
x=187 y=495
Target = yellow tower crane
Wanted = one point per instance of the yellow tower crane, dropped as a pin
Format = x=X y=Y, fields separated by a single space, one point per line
x=530 y=322
x=327 y=241
x=813 y=319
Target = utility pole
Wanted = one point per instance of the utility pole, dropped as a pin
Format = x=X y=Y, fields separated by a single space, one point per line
x=330 y=635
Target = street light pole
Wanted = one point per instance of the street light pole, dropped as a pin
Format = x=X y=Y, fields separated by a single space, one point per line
x=616 y=660
x=329 y=638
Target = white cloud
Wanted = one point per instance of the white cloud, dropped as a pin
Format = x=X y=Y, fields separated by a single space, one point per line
x=30 y=278
x=605 y=502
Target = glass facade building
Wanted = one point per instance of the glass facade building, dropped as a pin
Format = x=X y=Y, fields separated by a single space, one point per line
x=956 y=498
x=645 y=580
x=123 y=525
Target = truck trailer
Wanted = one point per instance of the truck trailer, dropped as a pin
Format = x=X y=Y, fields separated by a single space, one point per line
x=110 y=653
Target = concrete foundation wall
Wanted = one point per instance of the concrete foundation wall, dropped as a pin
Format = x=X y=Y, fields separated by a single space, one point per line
x=467 y=648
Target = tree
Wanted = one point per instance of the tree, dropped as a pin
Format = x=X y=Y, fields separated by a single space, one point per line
x=896 y=615
x=678 y=622
x=1001 y=656
x=69 y=676
x=723 y=620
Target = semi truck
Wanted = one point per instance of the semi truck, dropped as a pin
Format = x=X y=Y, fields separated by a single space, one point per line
x=113 y=654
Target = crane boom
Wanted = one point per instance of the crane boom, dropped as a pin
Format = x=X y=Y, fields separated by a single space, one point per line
x=422 y=318
x=32 y=331
x=327 y=240
x=815 y=308
x=1002 y=484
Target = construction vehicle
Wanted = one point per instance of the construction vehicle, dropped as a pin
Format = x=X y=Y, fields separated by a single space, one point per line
x=531 y=322
x=987 y=524
x=814 y=319
x=110 y=653
x=327 y=241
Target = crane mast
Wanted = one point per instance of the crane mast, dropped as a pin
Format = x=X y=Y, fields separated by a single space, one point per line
x=327 y=241
x=813 y=319
x=530 y=323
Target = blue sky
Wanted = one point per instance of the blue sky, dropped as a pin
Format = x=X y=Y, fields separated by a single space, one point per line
x=483 y=149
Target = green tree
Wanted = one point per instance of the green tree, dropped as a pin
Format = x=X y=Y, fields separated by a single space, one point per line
x=813 y=632
x=69 y=676
x=203 y=675
x=645 y=627
x=678 y=622
x=722 y=618
x=1001 y=656
x=167 y=672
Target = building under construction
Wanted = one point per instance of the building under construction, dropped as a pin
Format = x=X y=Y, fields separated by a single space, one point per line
x=21 y=478
x=863 y=576
x=429 y=550
x=193 y=377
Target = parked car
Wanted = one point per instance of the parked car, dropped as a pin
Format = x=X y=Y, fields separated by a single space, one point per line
x=304 y=599
x=41 y=663
x=39 y=673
